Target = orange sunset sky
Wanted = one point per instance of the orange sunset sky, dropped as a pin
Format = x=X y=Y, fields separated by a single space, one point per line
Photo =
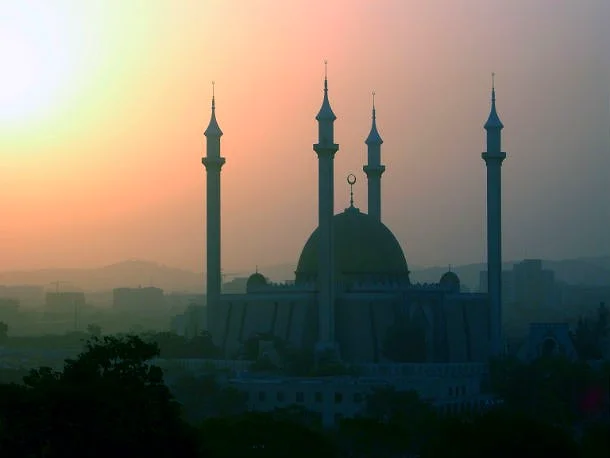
x=103 y=105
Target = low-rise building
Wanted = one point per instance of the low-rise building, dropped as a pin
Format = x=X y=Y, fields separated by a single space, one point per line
x=141 y=300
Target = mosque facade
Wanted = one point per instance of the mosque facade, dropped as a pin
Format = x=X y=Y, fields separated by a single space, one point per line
x=352 y=294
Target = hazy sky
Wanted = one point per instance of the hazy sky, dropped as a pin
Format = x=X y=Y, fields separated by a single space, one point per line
x=103 y=105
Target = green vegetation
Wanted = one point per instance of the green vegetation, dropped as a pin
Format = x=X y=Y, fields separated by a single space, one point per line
x=551 y=390
x=110 y=400
x=3 y=331
x=173 y=346
x=590 y=334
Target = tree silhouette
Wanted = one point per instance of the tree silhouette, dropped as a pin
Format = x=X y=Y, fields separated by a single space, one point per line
x=263 y=435
x=95 y=330
x=108 y=401
x=500 y=433
x=3 y=331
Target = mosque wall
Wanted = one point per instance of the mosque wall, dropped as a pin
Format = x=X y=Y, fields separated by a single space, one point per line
x=456 y=333
x=234 y=326
x=280 y=325
x=239 y=316
x=476 y=311
x=456 y=325
x=355 y=329
x=383 y=316
x=302 y=325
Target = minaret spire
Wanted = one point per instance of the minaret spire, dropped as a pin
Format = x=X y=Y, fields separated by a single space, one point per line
x=213 y=163
x=374 y=169
x=213 y=129
x=326 y=149
x=493 y=157
x=493 y=121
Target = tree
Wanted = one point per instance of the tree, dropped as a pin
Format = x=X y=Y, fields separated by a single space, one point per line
x=94 y=330
x=172 y=345
x=362 y=437
x=589 y=335
x=107 y=401
x=256 y=434
x=552 y=389
x=204 y=397
x=402 y=410
x=596 y=441
x=500 y=433
x=3 y=331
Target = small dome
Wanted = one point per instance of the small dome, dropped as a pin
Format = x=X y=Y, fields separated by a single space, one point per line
x=255 y=281
x=365 y=249
x=450 y=281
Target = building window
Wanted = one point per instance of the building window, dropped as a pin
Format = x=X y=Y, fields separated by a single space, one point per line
x=280 y=396
x=318 y=396
x=261 y=396
x=338 y=398
x=300 y=397
x=450 y=391
x=357 y=398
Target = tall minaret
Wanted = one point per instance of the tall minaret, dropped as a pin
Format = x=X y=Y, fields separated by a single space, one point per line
x=493 y=158
x=326 y=149
x=213 y=163
x=374 y=169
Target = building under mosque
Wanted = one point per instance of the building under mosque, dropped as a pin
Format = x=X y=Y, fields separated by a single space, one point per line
x=352 y=294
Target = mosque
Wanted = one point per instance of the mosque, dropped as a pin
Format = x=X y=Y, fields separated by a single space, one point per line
x=352 y=295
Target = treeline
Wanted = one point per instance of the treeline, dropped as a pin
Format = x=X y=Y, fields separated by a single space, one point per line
x=110 y=401
x=171 y=345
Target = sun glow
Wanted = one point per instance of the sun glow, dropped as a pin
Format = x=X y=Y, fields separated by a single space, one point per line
x=35 y=59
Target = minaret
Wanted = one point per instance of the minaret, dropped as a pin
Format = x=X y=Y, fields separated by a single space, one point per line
x=493 y=158
x=213 y=163
x=374 y=169
x=326 y=149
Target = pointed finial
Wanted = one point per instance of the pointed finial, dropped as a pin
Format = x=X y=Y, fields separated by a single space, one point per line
x=213 y=96
x=325 y=75
x=493 y=121
x=373 y=105
x=257 y=268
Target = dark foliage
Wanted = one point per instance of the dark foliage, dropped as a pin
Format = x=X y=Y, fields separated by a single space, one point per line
x=590 y=334
x=552 y=390
x=263 y=435
x=109 y=401
x=3 y=332
x=173 y=346
x=499 y=433
x=203 y=397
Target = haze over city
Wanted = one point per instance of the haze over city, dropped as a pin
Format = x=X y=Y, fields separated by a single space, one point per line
x=103 y=108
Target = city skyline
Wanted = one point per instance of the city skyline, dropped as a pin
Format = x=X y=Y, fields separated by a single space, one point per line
x=112 y=172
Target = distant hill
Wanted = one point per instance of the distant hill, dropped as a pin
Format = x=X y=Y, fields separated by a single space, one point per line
x=133 y=273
